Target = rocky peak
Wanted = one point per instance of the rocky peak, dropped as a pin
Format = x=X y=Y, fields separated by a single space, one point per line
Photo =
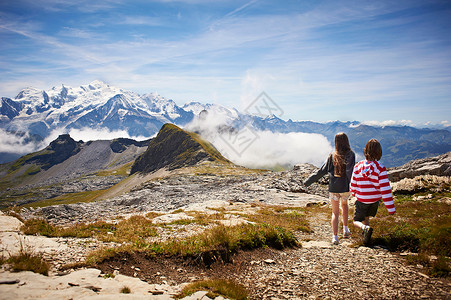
x=58 y=151
x=10 y=108
x=175 y=148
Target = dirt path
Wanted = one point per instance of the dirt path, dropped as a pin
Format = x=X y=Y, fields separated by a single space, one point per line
x=319 y=270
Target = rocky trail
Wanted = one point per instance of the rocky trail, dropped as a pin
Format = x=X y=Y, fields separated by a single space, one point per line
x=320 y=270
x=317 y=270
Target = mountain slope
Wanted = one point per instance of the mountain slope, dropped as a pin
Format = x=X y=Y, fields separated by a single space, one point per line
x=175 y=148
x=67 y=170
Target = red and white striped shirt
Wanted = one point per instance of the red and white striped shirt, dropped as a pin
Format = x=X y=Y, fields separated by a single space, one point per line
x=369 y=183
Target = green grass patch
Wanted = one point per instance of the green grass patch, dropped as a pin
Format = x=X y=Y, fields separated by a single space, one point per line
x=27 y=261
x=70 y=198
x=208 y=147
x=20 y=162
x=134 y=229
x=219 y=241
x=31 y=170
x=246 y=236
x=216 y=287
x=418 y=226
x=125 y=290
x=441 y=267
x=280 y=216
x=108 y=275
x=123 y=170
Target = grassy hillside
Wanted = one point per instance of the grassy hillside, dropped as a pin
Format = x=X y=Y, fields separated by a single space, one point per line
x=175 y=148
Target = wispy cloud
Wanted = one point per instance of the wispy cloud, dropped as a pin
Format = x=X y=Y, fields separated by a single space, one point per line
x=322 y=60
x=86 y=6
x=389 y=123
x=141 y=20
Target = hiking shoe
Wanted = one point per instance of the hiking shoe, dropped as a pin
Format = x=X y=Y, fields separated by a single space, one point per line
x=347 y=234
x=367 y=232
x=335 y=241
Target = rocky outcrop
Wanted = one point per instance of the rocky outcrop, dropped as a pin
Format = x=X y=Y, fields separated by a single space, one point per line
x=175 y=148
x=58 y=151
x=119 y=145
x=438 y=165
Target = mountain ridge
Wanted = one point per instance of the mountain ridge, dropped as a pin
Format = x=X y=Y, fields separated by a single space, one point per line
x=34 y=115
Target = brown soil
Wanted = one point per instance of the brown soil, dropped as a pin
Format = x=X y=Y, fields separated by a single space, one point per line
x=175 y=270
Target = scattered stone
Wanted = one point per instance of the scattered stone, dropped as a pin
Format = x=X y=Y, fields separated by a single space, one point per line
x=269 y=261
x=93 y=288
x=73 y=284
x=9 y=281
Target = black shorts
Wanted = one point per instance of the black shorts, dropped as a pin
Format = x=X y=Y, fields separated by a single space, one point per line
x=363 y=210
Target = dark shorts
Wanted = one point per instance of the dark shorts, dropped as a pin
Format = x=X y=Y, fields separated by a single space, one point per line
x=363 y=210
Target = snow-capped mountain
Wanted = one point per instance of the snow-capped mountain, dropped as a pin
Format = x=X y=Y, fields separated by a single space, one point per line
x=96 y=105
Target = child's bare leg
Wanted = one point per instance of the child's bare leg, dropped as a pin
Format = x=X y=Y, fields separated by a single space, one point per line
x=345 y=210
x=345 y=213
x=366 y=221
x=359 y=224
x=335 y=216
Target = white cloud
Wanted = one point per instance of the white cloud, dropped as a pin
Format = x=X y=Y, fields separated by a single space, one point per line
x=389 y=123
x=91 y=134
x=261 y=149
x=141 y=20
x=11 y=143
x=442 y=125
x=266 y=149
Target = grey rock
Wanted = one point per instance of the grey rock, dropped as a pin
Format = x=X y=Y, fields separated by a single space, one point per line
x=438 y=165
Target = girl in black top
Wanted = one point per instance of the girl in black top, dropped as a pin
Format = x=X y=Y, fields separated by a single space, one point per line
x=339 y=165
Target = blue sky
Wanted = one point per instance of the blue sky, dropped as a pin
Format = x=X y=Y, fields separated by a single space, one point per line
x=380 y=61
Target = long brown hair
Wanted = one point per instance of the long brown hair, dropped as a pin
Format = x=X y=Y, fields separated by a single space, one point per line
x=341 y=149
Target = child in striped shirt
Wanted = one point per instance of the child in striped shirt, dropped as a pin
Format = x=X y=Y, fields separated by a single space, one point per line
x=369 y=184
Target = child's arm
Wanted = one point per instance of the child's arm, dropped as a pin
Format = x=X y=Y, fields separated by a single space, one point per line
x=385 y=190
x=318 y=174
x=350 y=163
x=354 y=184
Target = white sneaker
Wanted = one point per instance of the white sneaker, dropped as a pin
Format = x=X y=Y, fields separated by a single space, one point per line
x=335 y=241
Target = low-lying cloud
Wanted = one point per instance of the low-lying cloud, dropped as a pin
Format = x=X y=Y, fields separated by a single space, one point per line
x=389 y=123
x=23 y=144
x=93 y=134
x=20 y=144
x=266 y=149
x=261 y=149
